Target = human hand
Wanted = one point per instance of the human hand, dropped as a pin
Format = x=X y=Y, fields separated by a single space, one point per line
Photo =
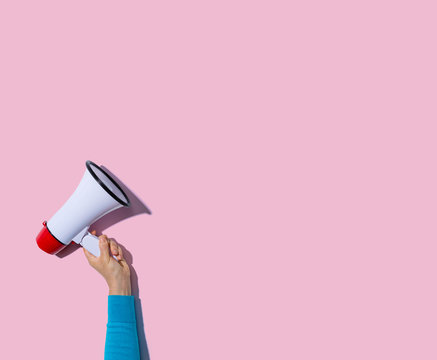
x=115 y=272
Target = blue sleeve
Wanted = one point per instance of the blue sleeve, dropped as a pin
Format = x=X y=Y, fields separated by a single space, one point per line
x=121 y=332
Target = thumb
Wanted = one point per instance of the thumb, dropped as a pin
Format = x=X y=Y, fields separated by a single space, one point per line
x=90 y=257
x=104 y=247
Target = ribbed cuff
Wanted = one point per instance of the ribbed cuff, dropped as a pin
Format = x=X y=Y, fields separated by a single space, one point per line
x=121 y=309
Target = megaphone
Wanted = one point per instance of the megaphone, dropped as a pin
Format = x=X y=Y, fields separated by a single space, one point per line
x=96 y=195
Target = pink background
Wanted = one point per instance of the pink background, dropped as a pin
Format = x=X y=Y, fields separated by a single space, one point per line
x=286 y=150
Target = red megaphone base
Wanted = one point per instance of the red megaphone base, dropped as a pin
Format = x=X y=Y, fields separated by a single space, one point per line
x=47 y=242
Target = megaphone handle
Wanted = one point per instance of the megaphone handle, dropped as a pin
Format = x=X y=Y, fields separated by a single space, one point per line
x=91 y=243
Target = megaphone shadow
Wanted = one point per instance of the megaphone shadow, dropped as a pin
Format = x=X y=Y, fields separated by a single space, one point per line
x=137 y=207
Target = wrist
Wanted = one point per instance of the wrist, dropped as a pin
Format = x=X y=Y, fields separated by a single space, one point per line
x=120 y=291
x=120 y=288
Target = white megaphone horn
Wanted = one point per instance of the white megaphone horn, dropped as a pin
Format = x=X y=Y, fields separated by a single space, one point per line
x=96 y=195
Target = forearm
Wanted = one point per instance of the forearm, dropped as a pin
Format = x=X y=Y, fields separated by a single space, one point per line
x=121 y=334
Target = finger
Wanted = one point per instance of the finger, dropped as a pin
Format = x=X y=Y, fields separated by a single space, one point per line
x=114 y=247
x=120 y=252
x=104 y=247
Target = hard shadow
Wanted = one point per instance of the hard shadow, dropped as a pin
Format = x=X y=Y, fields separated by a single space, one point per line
x=71 y=248
x=137 y=207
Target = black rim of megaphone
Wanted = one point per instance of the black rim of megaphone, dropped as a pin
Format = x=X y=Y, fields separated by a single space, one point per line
x=90 y=169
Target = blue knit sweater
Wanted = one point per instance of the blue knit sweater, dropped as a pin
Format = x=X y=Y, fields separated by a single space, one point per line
x=121 y=332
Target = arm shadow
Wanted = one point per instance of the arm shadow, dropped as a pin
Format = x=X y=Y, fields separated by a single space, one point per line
x=144 y=350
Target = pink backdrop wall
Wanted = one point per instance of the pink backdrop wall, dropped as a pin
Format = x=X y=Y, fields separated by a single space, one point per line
x=286 y=150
